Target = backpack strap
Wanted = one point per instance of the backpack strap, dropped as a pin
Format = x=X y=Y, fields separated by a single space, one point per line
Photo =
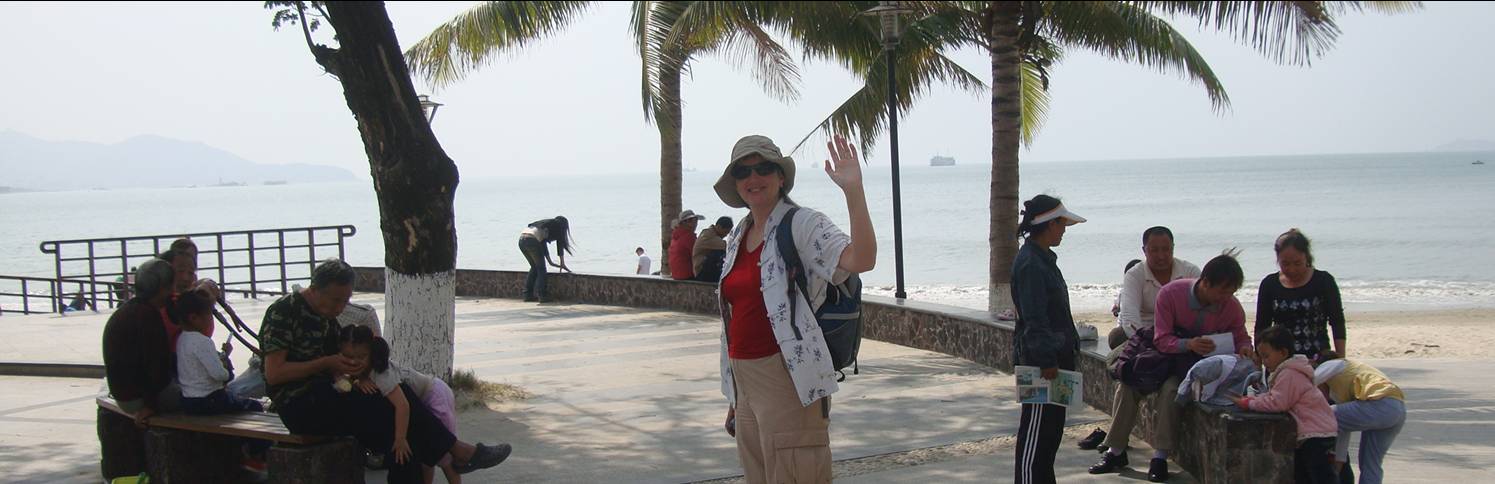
x=792 y=266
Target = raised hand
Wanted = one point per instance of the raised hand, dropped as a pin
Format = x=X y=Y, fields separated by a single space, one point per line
x=843 y=167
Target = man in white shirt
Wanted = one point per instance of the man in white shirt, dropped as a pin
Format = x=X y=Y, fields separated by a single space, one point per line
x=644 y=264
x=1139 y=295
x=1139 y=288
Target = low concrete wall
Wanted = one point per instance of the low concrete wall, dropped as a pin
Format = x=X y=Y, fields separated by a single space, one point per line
x=1216 y=445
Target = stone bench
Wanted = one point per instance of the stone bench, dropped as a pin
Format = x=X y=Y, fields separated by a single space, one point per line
x=196 y=448
x=1215 y=444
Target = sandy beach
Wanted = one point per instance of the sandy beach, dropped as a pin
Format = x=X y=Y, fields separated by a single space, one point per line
x=1461 y=333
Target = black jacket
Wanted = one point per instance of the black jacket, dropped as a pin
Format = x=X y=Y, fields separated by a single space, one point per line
x=1046 y=335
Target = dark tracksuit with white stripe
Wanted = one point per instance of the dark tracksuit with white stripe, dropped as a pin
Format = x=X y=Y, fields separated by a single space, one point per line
x=1045 y=338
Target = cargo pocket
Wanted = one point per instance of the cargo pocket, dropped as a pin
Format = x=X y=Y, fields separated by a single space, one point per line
x=802 y=457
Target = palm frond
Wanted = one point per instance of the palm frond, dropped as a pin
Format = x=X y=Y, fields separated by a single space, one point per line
x=1035 y=101
x=1294 y=33
x=864 y=114
x=772 y=66
x=473 y=38
x=1131 y=33
x=921 y=63
x=1391 y=8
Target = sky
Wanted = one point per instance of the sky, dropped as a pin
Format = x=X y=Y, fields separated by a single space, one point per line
x=219 y=74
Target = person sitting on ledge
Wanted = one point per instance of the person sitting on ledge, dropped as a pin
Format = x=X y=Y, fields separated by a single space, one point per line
x=711 y=250
x=1139 y=294
x=682 y=242
x=299 y=339
x=139 y=370
x=1189 y=312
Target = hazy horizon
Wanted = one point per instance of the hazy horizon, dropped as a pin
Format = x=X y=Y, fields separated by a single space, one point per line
x=219 y=75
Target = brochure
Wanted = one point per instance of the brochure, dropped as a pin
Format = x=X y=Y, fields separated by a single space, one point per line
x=1064 y=390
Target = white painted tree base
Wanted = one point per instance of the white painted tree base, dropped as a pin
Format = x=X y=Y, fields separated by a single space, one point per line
x=999 y=297
x=421 y=320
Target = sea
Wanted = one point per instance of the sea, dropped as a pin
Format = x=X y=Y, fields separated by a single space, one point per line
x=1397 y=230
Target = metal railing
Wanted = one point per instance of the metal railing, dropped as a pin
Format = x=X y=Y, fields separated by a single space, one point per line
x=52 y=295
x=248 y=262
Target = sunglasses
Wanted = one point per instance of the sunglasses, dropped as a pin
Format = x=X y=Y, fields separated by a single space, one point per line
x=741 y=172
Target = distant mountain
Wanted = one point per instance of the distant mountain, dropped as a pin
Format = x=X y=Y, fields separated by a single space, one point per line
x=1467 y=145
x=142 y=161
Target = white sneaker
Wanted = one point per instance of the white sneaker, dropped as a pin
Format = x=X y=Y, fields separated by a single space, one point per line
x=1087 y=332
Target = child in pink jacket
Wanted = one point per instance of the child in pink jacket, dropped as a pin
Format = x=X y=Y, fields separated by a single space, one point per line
x=1292 y=391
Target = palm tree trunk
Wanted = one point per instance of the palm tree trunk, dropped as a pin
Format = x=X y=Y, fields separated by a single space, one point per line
x=668 y=120
x=414 y=179
x=1002 y=28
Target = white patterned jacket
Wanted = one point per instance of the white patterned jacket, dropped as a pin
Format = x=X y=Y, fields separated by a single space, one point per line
x=820 y=246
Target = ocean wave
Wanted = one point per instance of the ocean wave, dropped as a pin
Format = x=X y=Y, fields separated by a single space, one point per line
x=1367 y=294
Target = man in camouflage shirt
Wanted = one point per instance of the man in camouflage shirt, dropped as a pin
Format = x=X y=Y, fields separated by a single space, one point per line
x=300 y=341
x=293 y=326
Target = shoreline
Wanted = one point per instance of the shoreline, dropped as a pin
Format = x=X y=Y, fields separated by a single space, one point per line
x=1430 y=332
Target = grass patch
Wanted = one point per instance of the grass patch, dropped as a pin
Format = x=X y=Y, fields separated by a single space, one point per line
x=473 y=392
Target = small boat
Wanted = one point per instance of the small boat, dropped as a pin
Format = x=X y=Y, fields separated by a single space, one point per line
x=942 y=161
x=1478 y=162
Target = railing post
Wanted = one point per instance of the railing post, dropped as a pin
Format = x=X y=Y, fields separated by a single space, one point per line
x=282 y=237
x=57 y=259
x=221 y=277
x=25 y=298
x=93 y=277
x=311 y=251
x=253 y=285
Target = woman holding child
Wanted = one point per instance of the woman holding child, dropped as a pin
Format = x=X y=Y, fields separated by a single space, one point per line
x=776 y=369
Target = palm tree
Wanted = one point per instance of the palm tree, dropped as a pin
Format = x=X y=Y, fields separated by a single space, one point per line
x=414 y=178
x=1021 y=36
x=471 y=40
x=1024 y=39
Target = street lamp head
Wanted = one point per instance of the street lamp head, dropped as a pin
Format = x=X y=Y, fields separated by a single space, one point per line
x=429 y=107
x=890 y=15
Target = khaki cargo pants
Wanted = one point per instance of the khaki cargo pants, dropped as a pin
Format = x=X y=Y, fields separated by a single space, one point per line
x=778 y=440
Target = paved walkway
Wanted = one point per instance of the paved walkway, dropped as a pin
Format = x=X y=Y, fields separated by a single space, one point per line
x=631 y=395
x=621 y=395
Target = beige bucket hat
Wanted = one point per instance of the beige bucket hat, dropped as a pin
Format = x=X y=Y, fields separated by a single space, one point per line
x=687 y=215
x=726 y=186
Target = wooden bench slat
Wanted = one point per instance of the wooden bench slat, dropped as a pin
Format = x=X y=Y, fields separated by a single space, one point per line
x=255 y=425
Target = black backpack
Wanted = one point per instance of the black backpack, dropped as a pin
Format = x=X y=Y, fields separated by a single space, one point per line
x=711 y=267
x=840 y=316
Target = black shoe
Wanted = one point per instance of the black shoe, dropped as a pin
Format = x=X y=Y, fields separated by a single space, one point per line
x=373 y=461
x=530 y=299
x=1109 y=463
x=484 y=457
x=1094 y=440
x=1346 y=475
x=1103 y=448
x=1157 y=471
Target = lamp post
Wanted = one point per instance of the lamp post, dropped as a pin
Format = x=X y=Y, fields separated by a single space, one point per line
x=889 y=15
x=429 y=107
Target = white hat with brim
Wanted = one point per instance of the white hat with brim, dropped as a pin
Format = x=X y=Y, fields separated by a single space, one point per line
x=687 y=215
x=1327 y=371
x=1059 y=212
x=726 y=186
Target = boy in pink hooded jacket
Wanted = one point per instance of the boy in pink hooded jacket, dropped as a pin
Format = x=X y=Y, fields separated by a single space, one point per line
x=1292 y=390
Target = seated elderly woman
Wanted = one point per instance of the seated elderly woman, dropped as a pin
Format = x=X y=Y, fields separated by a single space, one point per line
x=139 y=370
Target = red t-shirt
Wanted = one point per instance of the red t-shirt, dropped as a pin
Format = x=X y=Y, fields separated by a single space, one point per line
x=682 y=242
x=749 y=334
